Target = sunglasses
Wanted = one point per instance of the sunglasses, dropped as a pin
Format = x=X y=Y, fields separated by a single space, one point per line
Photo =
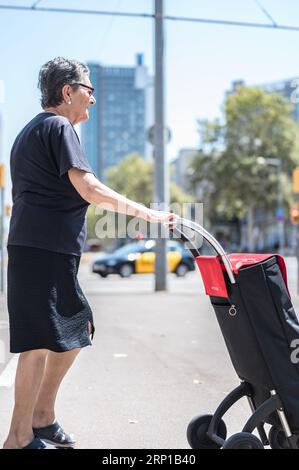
x=89 y=88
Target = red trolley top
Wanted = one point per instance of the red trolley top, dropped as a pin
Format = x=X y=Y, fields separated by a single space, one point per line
x=211 y=268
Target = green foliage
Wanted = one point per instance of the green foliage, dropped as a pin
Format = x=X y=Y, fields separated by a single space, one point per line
x=133 y=178
x=228 y=169
x=91 y=221
x=177 y=195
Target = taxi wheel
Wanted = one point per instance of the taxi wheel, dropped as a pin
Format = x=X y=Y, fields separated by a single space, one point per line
x=181 y=270
x=126 y=270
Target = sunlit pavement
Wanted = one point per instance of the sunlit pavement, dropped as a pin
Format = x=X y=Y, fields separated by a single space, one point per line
x=158 y=359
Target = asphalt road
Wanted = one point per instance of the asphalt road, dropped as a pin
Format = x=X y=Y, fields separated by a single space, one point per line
x=158 y=359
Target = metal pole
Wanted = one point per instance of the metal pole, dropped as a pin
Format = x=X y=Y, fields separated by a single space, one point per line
x=277 y=162
x=297 y=256
x=161 y=190
x=2 y=215
x=2 y=239
x=296 y=227
x=280 y=214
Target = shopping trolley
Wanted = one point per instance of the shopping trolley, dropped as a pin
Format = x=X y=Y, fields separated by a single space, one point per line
x=253 y=307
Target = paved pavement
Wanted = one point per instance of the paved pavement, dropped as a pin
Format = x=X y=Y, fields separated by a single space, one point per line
x=4 y=334
x=156 y=362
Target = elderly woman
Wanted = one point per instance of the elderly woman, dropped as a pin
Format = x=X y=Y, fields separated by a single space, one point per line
x=53 y=184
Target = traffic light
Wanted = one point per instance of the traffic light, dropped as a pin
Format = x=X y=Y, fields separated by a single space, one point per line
x=296 y=181
x=2 y=175
x=8 y=210
x=294 y=214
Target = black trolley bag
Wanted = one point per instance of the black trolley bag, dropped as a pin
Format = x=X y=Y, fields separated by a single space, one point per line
x=253 y=307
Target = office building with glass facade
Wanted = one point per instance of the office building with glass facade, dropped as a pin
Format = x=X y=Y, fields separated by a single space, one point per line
x=118 y=121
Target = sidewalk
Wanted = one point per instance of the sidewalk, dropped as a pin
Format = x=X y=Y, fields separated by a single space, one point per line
x=157 y=361
x=3 y=306
x=4 y=333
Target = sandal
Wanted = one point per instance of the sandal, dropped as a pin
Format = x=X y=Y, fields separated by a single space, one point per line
x=55 y=435
x=37 y=443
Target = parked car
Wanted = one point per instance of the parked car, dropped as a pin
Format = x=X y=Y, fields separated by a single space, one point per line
x=139 y=258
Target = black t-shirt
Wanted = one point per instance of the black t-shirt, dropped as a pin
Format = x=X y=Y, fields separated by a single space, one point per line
x=47 y=211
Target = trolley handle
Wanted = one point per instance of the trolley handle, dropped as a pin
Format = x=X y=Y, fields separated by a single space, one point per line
x=177 y=228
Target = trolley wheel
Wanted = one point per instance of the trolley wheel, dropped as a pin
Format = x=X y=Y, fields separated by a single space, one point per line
x=243 y=440
x=197 y=432
x=277 y=438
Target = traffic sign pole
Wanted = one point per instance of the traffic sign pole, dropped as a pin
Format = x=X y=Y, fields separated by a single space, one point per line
x=161 y=187
x=2 y=189
x=295 y=217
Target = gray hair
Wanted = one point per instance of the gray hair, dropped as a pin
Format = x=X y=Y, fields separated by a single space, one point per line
x=54 y=75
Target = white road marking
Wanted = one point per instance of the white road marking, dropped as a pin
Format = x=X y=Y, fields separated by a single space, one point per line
x=7 y=377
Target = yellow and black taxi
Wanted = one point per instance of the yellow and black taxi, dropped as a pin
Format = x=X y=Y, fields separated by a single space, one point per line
x=139 y=258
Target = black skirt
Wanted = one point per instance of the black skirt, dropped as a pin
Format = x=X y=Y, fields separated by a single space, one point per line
x=47 y=308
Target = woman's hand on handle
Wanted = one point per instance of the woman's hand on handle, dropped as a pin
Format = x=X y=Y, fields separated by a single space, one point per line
x=162 y=217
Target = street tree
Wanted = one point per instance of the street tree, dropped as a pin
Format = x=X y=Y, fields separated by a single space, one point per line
x=133 y=177
x=228 y=172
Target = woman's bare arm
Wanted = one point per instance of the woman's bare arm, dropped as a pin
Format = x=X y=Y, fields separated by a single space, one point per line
x=95 y=192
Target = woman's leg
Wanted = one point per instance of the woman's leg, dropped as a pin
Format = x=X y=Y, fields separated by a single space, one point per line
x=56 y=368
x=30 y=370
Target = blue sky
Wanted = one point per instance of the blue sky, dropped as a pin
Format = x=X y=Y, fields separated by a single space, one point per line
x=201 y=60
